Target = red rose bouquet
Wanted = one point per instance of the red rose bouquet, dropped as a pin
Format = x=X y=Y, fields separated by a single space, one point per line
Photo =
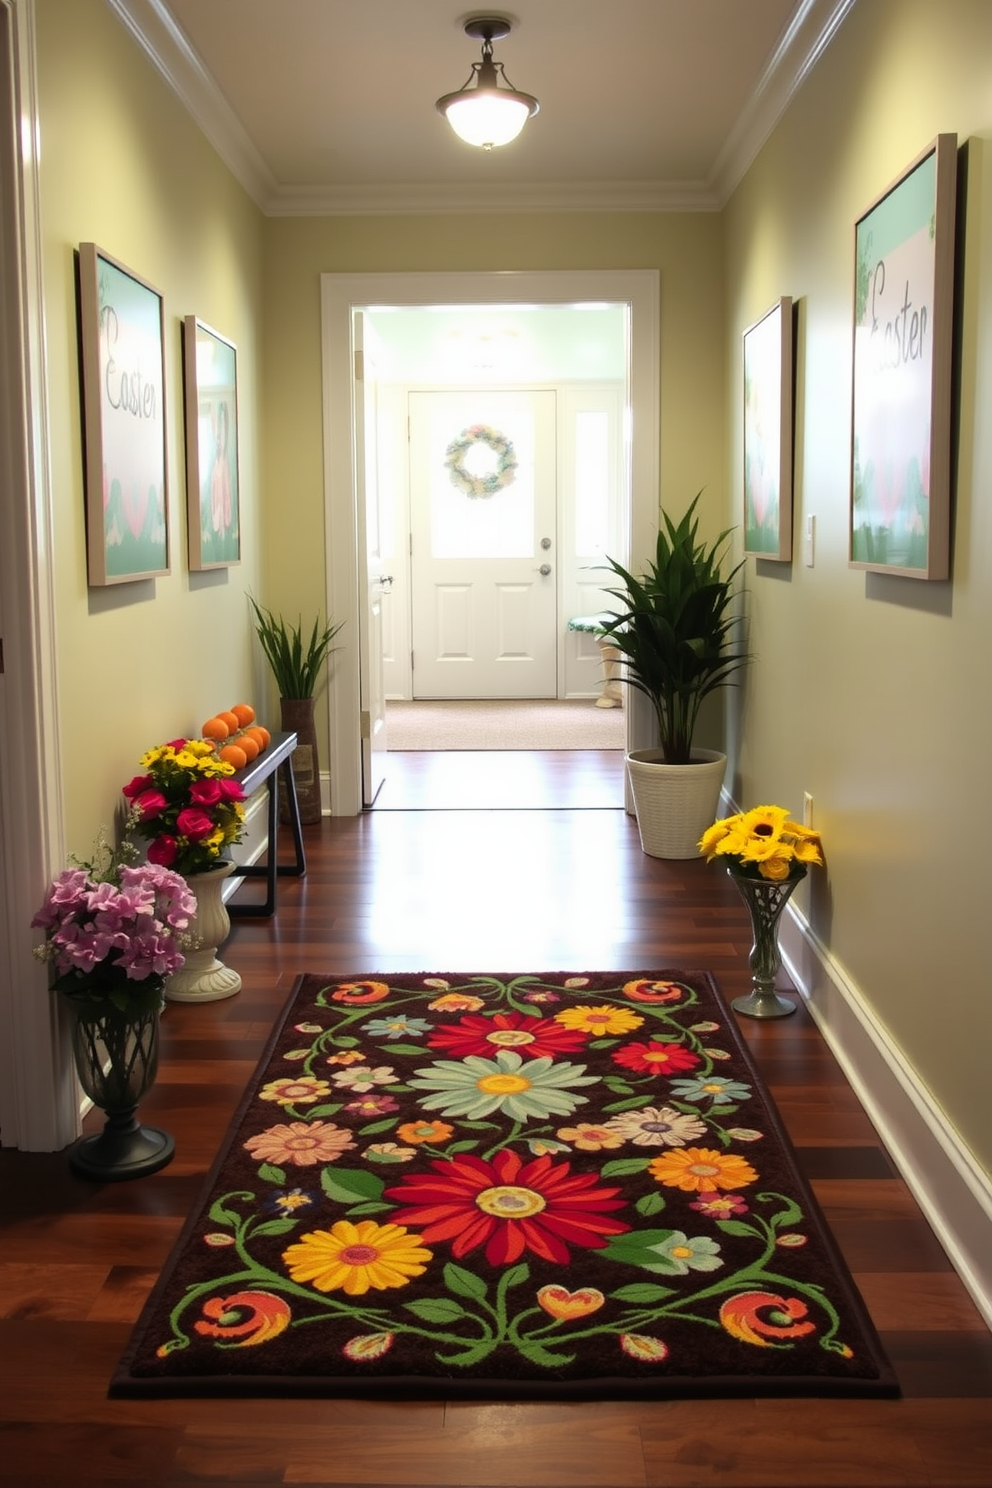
x=187 y=805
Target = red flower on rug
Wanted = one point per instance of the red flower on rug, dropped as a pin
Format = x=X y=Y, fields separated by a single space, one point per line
x=532 y=1038
x=657 y=1059
x=645 y=991
x=742 y=1316
x=360 y=992
x=509 y=1206
x=244 y=1318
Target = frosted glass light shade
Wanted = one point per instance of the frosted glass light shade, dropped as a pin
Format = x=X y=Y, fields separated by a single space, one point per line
x=488 y=118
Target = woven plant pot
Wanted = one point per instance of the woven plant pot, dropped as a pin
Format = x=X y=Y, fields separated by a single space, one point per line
x=675 y=803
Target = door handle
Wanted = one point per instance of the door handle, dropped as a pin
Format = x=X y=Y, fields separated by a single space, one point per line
x=545 y=569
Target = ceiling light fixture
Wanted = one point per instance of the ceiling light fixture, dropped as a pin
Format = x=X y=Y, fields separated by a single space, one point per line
x=482 y=112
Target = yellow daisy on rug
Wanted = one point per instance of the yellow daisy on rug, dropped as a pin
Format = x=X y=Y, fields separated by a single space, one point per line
x=356 y=1257
x=604 y=1019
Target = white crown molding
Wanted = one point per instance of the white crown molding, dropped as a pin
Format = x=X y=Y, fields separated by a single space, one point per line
x=406 y=200
x=801 y=45
x=165 y=45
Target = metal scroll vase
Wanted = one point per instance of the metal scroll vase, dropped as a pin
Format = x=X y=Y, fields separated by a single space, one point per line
x=116 y=1057
x=765 y=902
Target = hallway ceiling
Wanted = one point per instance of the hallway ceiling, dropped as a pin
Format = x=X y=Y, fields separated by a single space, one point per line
x=327 y=106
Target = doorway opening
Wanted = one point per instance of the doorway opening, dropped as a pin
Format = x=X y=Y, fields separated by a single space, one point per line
x=506 y=754
x=357 y=552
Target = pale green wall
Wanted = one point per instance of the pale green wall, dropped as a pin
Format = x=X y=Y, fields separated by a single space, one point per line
x=122 y=165
x=685 y=248
x=870 y=691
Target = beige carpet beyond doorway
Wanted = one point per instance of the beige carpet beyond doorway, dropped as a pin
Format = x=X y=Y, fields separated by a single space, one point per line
x=484 y=724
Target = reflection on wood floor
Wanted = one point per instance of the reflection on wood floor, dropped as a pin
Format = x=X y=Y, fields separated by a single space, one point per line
x=495 y=780
x=479 y=890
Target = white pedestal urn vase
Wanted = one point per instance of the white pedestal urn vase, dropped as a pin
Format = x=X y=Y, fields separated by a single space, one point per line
x=205 y=978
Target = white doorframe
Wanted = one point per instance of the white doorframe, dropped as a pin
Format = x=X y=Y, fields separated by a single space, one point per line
x=39 y=1101
x=340 y=294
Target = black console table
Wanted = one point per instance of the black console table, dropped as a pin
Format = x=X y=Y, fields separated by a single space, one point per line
x=278 y=756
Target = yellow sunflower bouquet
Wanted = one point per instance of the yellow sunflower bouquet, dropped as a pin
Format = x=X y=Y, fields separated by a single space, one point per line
x=763 y=843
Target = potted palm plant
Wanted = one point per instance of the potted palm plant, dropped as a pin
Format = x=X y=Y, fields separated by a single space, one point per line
x=676 y=630
x=297 y=664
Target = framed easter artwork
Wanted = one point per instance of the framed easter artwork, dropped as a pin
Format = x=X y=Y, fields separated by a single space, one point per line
x=768 y=434
x=124 y=431
x=901 y=395
x=213 y=506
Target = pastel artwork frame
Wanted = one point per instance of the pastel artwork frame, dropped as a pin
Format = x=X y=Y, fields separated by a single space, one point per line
x=122 y=346
x=213 y=496
x=768 y=358
x=902 y=371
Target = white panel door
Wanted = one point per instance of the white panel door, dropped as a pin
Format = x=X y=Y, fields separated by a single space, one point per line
x=484 y=568
x=373 y=581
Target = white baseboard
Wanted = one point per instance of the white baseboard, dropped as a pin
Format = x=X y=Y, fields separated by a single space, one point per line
x=953 y=1191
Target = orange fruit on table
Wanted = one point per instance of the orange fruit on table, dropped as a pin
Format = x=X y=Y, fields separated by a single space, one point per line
x=231 y=719
x=215 y=728
x=244 y=713
x=249 y=745
x=266 y=736
x=234 y=755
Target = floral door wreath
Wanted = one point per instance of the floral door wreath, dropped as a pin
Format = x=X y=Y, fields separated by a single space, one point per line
x=497 y=479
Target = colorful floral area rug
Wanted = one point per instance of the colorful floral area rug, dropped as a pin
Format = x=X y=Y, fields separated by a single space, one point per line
x=506 y=1187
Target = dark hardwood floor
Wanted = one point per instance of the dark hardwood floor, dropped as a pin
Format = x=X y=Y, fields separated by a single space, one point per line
x=472 y=890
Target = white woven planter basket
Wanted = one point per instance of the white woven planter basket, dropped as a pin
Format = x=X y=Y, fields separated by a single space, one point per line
x=675 y=803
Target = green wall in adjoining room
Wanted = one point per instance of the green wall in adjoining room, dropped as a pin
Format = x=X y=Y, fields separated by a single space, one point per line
x=124 y=166
x=872 y=691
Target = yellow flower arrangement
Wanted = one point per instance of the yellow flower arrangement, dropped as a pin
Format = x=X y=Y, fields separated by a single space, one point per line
x=763 y=843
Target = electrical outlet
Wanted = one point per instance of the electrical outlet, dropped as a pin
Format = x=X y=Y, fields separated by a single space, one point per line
x=807 y=809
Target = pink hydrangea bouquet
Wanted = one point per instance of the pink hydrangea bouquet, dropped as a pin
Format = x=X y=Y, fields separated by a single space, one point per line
x=112 y=930
x=186 y=804
x=763 y=843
